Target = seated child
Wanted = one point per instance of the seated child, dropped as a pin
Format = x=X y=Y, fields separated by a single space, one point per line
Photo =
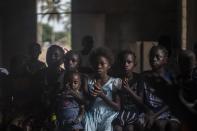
x=159 y=118
x=70 y=109
x=102 y=88
x=130 y=93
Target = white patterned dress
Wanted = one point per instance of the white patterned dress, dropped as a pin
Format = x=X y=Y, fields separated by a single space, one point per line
x=100 y=115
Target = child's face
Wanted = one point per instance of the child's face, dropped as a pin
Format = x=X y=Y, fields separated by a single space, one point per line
x=54 y=58
x=186 y=64
x=128 y=63
x=75 y=82
x=157 y=59
x=72 y=62
x=102 y=65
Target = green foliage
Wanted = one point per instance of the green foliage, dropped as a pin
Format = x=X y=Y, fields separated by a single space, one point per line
x=59 y=35
x=47 y=32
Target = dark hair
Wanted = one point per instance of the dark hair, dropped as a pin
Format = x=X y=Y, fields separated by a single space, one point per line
x=101 y=51
x=68 y=74
x=53 y=47
x=186 y=56
x=34 y=46
x=125 y=52
x=159 y=47
x=166 y=41
x=50 y=50
x=71 y=53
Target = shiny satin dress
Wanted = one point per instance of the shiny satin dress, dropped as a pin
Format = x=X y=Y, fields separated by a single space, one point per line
x=100 y=115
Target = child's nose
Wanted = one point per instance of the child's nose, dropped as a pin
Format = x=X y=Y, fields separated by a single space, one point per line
x=125 y=64
x=99 y=66
x=154 y=58
x=70 y=62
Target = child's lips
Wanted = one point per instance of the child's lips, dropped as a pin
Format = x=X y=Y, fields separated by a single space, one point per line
x=126 y=68
x=154 y=63
x=99 y=70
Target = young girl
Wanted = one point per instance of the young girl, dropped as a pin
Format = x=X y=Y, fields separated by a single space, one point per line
x=130 y=93
x=47 y=85
x=159 y=117
x=186 y=93
x=70 y=109
x=72 y=62
x=103 y=90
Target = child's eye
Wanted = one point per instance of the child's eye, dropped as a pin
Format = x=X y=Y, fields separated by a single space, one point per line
x=103 y=63
x=76 y=82
x=129 y=62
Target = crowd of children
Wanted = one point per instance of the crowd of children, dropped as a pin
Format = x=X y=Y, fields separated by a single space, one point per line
x=110 y=97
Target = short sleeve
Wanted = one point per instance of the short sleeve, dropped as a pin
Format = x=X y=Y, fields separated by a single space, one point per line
x=117 y=83
x=4 y=71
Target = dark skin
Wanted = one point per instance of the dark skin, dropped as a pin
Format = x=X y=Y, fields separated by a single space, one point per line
x=127 y=66
x=87 y=44
x=187 y=64
x=47 y=83
x=73 y=88
x=158 y=60
x=101 y=67
x=54 y=58
x=72 y=63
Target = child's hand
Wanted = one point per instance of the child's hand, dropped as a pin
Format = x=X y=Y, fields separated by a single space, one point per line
x=125 y=84
x=96 y=90
x=149 y=120
x=78 y=120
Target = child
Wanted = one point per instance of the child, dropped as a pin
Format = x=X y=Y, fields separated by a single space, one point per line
x=187 y=88
x=51 y=74
x=34 y=64
x=47 y=82
x=131 y=93
x=87 y=45
x=159 y=117
x=72 y=62
x=70 y=109
x=103 y=90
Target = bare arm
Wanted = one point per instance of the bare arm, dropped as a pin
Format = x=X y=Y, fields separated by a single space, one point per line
x=138 y=99
x=78 y=97
x=115 y=103
x=81 y=114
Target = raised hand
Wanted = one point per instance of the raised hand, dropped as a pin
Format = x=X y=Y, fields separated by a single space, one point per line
x=97 y=89
x=78 y=120
x=125 y=84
